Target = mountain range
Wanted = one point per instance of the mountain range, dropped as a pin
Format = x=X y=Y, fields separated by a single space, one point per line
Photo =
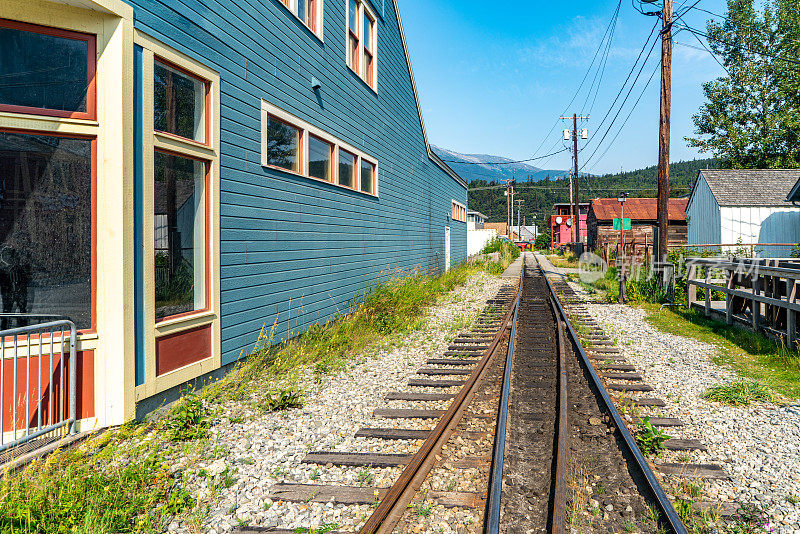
x=479 y=167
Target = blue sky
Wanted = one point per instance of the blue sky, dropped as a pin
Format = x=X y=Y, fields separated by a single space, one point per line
x=493 y=77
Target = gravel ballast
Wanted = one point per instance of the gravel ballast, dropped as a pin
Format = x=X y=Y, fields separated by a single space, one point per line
x=262 y=449
x=758 y=445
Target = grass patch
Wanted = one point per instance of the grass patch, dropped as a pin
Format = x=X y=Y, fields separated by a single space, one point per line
x=567 y=261
x=124 y=480
x=752 y=356
x=738 y=393
x=388 y=311
x=100 y=486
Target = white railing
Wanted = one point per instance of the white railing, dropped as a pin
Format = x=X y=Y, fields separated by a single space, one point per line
x=37 y=355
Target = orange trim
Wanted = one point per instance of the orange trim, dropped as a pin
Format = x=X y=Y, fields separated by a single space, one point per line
x=91 y=68
x=93 y=193
x=207 y=85
x=207 y=252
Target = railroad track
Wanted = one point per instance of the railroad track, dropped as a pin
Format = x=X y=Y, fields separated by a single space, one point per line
x=531 y=413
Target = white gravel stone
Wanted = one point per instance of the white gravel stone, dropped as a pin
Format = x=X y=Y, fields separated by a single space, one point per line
x=758 y=446
x=268 y=448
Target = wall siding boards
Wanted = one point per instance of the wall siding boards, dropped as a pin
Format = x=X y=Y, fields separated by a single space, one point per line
x=295 y=251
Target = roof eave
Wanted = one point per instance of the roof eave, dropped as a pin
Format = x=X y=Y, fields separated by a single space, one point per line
x=436 y=159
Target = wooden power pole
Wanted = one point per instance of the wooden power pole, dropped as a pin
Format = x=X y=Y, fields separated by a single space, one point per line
x=575 y=205
x=664 y=131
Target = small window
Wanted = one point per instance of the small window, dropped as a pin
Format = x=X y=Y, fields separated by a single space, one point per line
x=283 y=145
x=179 y=202
x=347 y=164
x=46 y=71
x=319 y=158
x=367 y=176
x=179 y=103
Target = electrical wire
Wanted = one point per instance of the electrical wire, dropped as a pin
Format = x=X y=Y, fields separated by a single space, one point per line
x=501 y=162
x=622 y=105
x=695 y=31
x=630 y=113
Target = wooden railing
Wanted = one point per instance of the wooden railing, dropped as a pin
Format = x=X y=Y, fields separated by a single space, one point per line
x=761 y=293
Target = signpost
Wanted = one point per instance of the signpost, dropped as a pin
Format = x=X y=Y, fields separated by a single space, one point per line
x=625 y=225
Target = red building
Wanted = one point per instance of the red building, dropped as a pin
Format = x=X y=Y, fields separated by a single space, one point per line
x=561 y=224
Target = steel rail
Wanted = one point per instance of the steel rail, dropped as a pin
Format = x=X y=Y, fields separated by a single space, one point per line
x=491 y=523
x=559 y=515
x=393 y=505
x=667 y=509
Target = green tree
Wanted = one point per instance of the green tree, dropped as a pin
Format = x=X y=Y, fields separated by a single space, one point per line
x=751 y=116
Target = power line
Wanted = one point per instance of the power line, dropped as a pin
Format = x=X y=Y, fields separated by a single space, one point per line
x=502 y=162
x=630 y=73
x=746 y=48
x=644 y=89
x=605 y=134
x=586 y=75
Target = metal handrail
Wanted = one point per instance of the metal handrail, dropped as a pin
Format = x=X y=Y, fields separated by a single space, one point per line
x=39 y=334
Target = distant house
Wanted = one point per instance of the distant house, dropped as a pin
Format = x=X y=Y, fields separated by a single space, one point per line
x=501 y=227
x=643 y=213
x=731 y=207
x=475 y=220
x=561 y=223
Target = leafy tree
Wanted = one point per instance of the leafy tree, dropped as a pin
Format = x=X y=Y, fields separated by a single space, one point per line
x=752 y=116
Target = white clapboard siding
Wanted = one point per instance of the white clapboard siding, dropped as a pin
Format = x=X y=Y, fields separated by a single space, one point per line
x=703 y=214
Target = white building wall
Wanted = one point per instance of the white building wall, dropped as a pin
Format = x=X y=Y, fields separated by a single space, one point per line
x=477 y=239
x=703 y=215
x=762 y=224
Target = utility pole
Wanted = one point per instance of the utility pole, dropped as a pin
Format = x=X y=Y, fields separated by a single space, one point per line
x=519 y=214
x=510 y=183
x=664 y=131
x=573 y=182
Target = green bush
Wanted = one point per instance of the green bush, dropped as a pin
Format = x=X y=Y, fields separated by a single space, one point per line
x=542 y=241
x=188 y=419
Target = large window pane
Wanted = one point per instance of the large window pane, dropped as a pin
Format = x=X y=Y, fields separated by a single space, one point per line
x=179 y=201
x=179 y=102
x=42 y=71
x=367 y=173
x=46 y=226
x=319 y=158
x=347 y=163
x=283 y=145
x=367 y=33
x=302 y=10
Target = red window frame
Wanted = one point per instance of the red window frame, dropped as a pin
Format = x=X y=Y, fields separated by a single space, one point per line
x=93 y=180
x=369 y=54
x=356 y=170
x=207 y=100
x=299 y=158
x=91 y=71
x=331 y=151
x=372 y=182
x=206 y=237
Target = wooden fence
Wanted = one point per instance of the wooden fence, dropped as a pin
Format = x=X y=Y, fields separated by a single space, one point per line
x=761 y=293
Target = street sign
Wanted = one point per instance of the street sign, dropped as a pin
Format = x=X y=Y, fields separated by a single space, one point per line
x=626 y=224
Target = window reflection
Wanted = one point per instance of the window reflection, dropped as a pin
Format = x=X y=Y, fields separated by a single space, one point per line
x=179 y=217
x=179 y=103
x=46 y=226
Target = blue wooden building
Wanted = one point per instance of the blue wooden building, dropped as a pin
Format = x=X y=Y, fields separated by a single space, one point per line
x=208 y=167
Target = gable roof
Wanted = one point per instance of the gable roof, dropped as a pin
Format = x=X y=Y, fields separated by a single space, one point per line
x=638 y=209
x=431 y=154
x=751 y=187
